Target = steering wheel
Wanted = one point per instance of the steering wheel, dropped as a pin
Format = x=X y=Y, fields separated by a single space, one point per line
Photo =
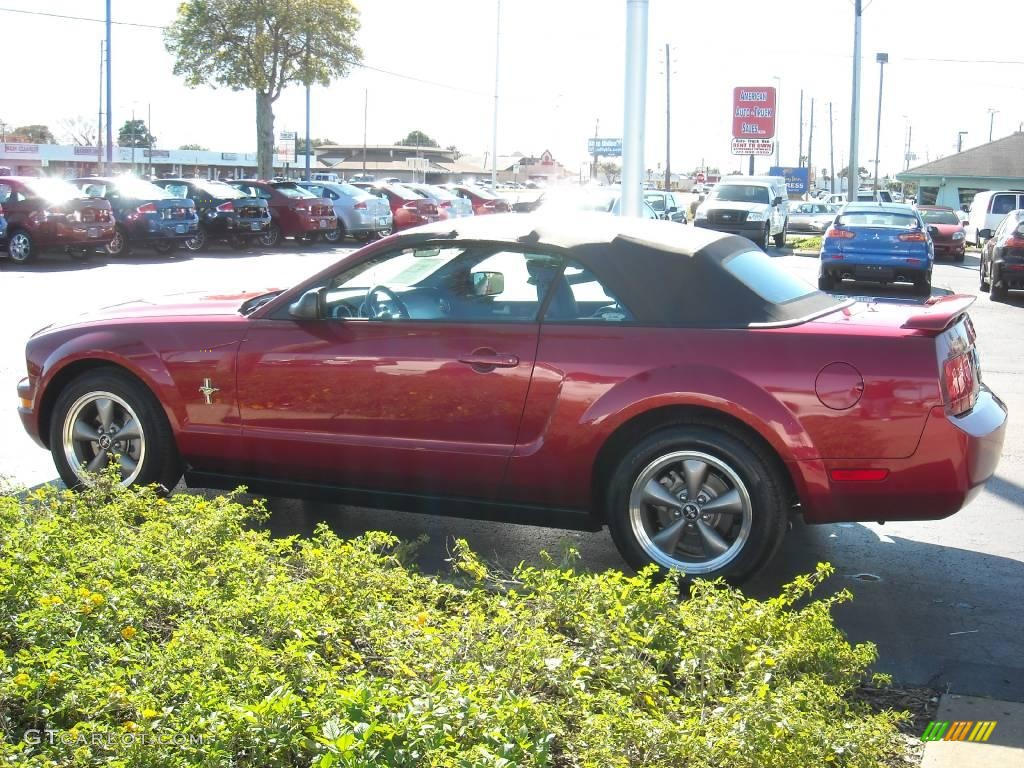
x=371 y=309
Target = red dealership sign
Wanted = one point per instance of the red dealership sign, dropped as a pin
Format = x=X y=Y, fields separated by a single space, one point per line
x=753 y=112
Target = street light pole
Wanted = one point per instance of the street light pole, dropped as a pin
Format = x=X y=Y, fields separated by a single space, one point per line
x=494 y=126
x=853 y=177
x=881 y=58
x=635 y=105
x=831 y=153
x=778 y=134
x=668 y=119
x=110 y=124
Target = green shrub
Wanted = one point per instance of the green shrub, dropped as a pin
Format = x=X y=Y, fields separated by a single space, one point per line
x=811 y=243
x=126 y=619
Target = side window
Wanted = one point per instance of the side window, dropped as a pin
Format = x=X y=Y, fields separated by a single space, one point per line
x=1003 y=204
x=316 y=189
x=474 y=285
x=579 y=296
x=5 y=193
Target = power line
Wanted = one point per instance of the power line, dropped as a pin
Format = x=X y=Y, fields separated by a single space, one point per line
x=358 y=64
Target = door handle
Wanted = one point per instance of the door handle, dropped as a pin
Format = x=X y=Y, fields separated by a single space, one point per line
x=487 y=360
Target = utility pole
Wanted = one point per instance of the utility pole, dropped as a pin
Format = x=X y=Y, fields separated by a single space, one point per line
x=99 y=120
x=881 y=58
x=906 y=154
x=135 y=138
x=960 y=141
x=593 y=173
x=366 y=105
x=308 y=148
x=668 y=119
x=810 y=145
x=149 y=136
x=635 y=108
x=110 y=125
x=991 y=122
x=778 y=134
x=800 y=155
x=494 y=128
x=831 y=153
x=853 y=175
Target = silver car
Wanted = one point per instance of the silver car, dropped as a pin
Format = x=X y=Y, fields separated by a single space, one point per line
x=359 y=213
x=451 y=205
x=813 y=216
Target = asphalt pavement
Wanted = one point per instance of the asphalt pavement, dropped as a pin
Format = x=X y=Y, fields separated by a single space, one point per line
x=941 y=599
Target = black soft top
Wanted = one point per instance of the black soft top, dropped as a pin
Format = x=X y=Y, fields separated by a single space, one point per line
x=666 y=274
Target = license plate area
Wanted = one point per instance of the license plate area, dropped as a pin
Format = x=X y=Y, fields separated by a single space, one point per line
x=94 y=231
x=382 y=221
x=874 y=272
x=255 y=226
x=181 y=229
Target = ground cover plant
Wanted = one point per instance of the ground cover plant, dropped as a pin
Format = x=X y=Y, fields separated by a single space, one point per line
x=137 y=630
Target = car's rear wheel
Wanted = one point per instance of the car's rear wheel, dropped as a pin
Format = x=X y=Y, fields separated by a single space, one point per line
x=923 y=286
x=20 y=246
x=765 y=237
x=197 y=242
x=105 y=416
x=998 y=292
x=984 y=285
x=271 y=237
x=826 y=282
x=118 y=246
x=697 y=499
x=336 y=235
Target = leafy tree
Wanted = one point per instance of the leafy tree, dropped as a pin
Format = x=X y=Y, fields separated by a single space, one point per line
x=455 y=151
x=861 y=171
x=417 y=139
x=195 y=147
x=610 y=170
x=135 y=134
x=314 y=143
x=33 y=134
x=263 y=46
x=78 y=130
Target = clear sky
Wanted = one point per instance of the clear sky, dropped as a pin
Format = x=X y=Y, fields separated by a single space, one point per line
x=561 y=70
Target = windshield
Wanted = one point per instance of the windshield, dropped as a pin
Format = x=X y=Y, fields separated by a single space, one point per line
x=657 y=202
x=882 y=219
x=137 y=189
x=219 y=189
x=484 y=193
x=402 y=271
x=741 y=193
x=939 y=217
x=403 y=192
x=294 y=192
x=54 y=190
x=601 y=201
x=438 y=193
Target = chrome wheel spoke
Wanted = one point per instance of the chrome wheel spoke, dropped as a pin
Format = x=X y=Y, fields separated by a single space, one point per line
x=128 y=464
x=83 y=431
x=658 y=494
x=696 y=474
x=130 y=431
x=668 y=537
x=99 y=461
x=729 y=503
x=105 y=409
x=711 y=539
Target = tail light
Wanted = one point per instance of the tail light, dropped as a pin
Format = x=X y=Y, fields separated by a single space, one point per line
x=227 y=207
x=960 y=383
x=445 y=204
x=840 y=234
x=360 y=206
x=1014 y=241
x=912 y=237
x=146 y=208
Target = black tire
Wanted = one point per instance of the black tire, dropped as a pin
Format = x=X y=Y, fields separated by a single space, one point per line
x=923 y=287
x=164 y=247
x=752 y=481
x=119 y=245
x=780 y=239
x=21 y=247
x=959 y=258
x=998 y=292
x=826 y=283
x=765 y=237
x=336 y=235
x=271 y=237
x=158 y=460
x=198 y=242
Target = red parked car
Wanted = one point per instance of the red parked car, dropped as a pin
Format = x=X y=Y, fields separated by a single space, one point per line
x=948 y=234
x=408 y=207
x=46 y=213
x=294 y=211
x=677 y=386
x=484 y=201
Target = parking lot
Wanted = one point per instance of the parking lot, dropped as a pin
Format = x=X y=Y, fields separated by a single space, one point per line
x=941 y=599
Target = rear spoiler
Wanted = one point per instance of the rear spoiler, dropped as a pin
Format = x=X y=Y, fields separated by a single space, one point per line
x=939 y=312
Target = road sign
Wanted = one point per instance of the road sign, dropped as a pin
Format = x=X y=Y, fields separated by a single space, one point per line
x=289 y=135
x=753 y=146
x=797 y=179
x=604 y=147
x=753 y=112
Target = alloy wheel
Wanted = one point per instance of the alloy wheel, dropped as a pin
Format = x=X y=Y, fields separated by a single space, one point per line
x=20 y=247
x=690 y=511
x=98 y=426
x=198 y=241
x=117 y=245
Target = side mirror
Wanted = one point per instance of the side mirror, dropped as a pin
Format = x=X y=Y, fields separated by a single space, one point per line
x=933 y=231
x=308 y=306
x=778 y=201
x=985 y=233
x=671 y=209
x=488 y=283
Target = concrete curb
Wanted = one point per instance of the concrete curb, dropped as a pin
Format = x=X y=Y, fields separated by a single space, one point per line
x=1004 y=747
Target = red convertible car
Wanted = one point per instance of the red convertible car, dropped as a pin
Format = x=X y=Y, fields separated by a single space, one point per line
x=675 y=386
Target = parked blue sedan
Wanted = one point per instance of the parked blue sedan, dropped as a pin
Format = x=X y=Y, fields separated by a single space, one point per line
x=878 y=242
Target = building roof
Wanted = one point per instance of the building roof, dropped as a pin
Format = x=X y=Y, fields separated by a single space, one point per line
x=1000 y=159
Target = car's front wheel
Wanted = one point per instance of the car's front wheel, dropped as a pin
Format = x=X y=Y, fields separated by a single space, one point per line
x=780 y=239
x=336 y=235
x=762 y=242
x=197 y=242
x=20 y=246
x=107 y=416
x=271 y=237
x=119 y=245
x=697 y=499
